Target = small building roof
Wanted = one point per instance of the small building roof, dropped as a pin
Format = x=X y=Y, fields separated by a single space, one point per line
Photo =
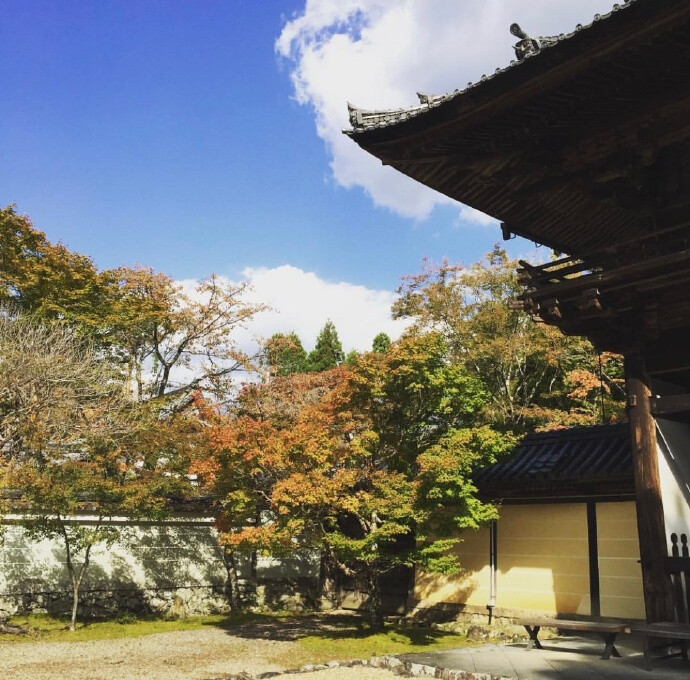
x=580 y=461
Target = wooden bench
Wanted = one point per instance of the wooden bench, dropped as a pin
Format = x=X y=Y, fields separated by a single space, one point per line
x=608 y=630
x=675 y=632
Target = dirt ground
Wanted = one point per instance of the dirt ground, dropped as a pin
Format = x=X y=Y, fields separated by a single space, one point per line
x=199 y=655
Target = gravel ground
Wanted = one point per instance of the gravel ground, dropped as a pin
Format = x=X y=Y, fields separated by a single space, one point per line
x=197 y=655
x=360 y=673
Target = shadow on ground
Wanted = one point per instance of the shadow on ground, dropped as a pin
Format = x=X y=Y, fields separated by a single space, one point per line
x=328 y=627
x=567 y=658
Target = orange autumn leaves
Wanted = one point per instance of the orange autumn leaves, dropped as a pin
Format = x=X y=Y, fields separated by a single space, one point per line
x=354 y=459
x=278 y=445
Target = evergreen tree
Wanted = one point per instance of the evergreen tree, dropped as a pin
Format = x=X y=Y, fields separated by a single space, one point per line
x=351 y=357
x=328 y=351
x=381 y=343
x=284 y=354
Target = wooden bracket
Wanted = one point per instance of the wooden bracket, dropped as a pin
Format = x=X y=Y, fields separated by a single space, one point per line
x=676 y=403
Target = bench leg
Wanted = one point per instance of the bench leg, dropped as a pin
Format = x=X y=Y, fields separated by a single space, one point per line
x=684 y=649
x=533 y=632
x=610 y=647
x=647 y=653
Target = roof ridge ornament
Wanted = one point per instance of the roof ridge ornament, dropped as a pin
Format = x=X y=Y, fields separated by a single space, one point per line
x=355 y=115
x=527 y=46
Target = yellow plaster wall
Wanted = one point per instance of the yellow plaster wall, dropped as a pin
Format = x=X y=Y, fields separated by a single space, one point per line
x=542 y=563
x=543 y=559
x=620 y=579
x=469 y=587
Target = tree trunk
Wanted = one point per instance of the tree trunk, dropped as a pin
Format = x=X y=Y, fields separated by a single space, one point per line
x=75 y=576
x=233 y=586
x=76 y=584
x=164 y=380
x=75 y=606
x=375 y=602
x=330 y=576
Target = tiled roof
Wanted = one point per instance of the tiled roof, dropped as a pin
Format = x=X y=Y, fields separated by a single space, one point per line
x=580 y=456
x=362 y=119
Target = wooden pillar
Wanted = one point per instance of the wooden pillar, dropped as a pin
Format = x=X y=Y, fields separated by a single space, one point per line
x=593 y=542
x=650 y=511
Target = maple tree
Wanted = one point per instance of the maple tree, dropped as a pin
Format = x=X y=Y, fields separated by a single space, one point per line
x=44 y=278
x=535 y=376
x=74 y=444
x=176 y=341
x=355 y=461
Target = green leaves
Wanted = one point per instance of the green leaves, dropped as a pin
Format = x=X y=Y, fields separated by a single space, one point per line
x=328 y=351
x=370 y=463
x=284 y=354
x=533 y=375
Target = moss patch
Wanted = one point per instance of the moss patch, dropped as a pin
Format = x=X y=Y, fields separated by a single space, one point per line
x=362 y=643
x=55 y=628
x=314 y=638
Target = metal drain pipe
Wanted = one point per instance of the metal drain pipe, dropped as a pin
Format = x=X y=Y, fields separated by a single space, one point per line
x=493 y=559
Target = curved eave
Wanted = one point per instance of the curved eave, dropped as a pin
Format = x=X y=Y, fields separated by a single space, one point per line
x=516 y=73
x=463 y=144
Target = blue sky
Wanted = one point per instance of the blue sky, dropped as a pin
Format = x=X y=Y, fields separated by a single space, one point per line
x=174 y=134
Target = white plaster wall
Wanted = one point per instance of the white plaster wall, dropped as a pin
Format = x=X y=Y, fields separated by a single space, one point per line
x=674 y=471
x=178 y=560
x=306 y=565
x=178 y=555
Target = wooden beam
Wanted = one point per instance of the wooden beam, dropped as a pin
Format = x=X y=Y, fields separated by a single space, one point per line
x=629 y=275
x=676 y=403
x=670 y=356
x=593 y=543
x=658 y=595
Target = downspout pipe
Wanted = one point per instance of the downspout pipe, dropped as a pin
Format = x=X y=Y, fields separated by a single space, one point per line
x=493 y=560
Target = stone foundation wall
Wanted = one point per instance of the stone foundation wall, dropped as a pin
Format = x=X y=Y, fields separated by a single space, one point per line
x=174 y=567
x=101 y=603
x=447 y=612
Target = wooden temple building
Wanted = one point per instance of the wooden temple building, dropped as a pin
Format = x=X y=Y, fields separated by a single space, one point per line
x=583 y=144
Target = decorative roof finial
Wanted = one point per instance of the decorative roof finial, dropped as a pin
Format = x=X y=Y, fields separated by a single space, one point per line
x=526 y=46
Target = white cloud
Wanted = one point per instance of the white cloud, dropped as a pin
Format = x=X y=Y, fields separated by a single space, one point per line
x=378 y=53
x=303 y=302
x=468 y=214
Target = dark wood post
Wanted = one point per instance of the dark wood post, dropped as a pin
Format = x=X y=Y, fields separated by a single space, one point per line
x=650 y=511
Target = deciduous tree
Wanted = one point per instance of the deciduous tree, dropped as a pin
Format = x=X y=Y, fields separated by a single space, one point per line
x=170 y=339
x=47 y=279
x=356 y=461
x=176 y=341
x=534 y=375
x=74 y=443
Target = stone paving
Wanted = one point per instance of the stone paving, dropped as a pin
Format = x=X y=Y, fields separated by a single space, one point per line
x=568 y=658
